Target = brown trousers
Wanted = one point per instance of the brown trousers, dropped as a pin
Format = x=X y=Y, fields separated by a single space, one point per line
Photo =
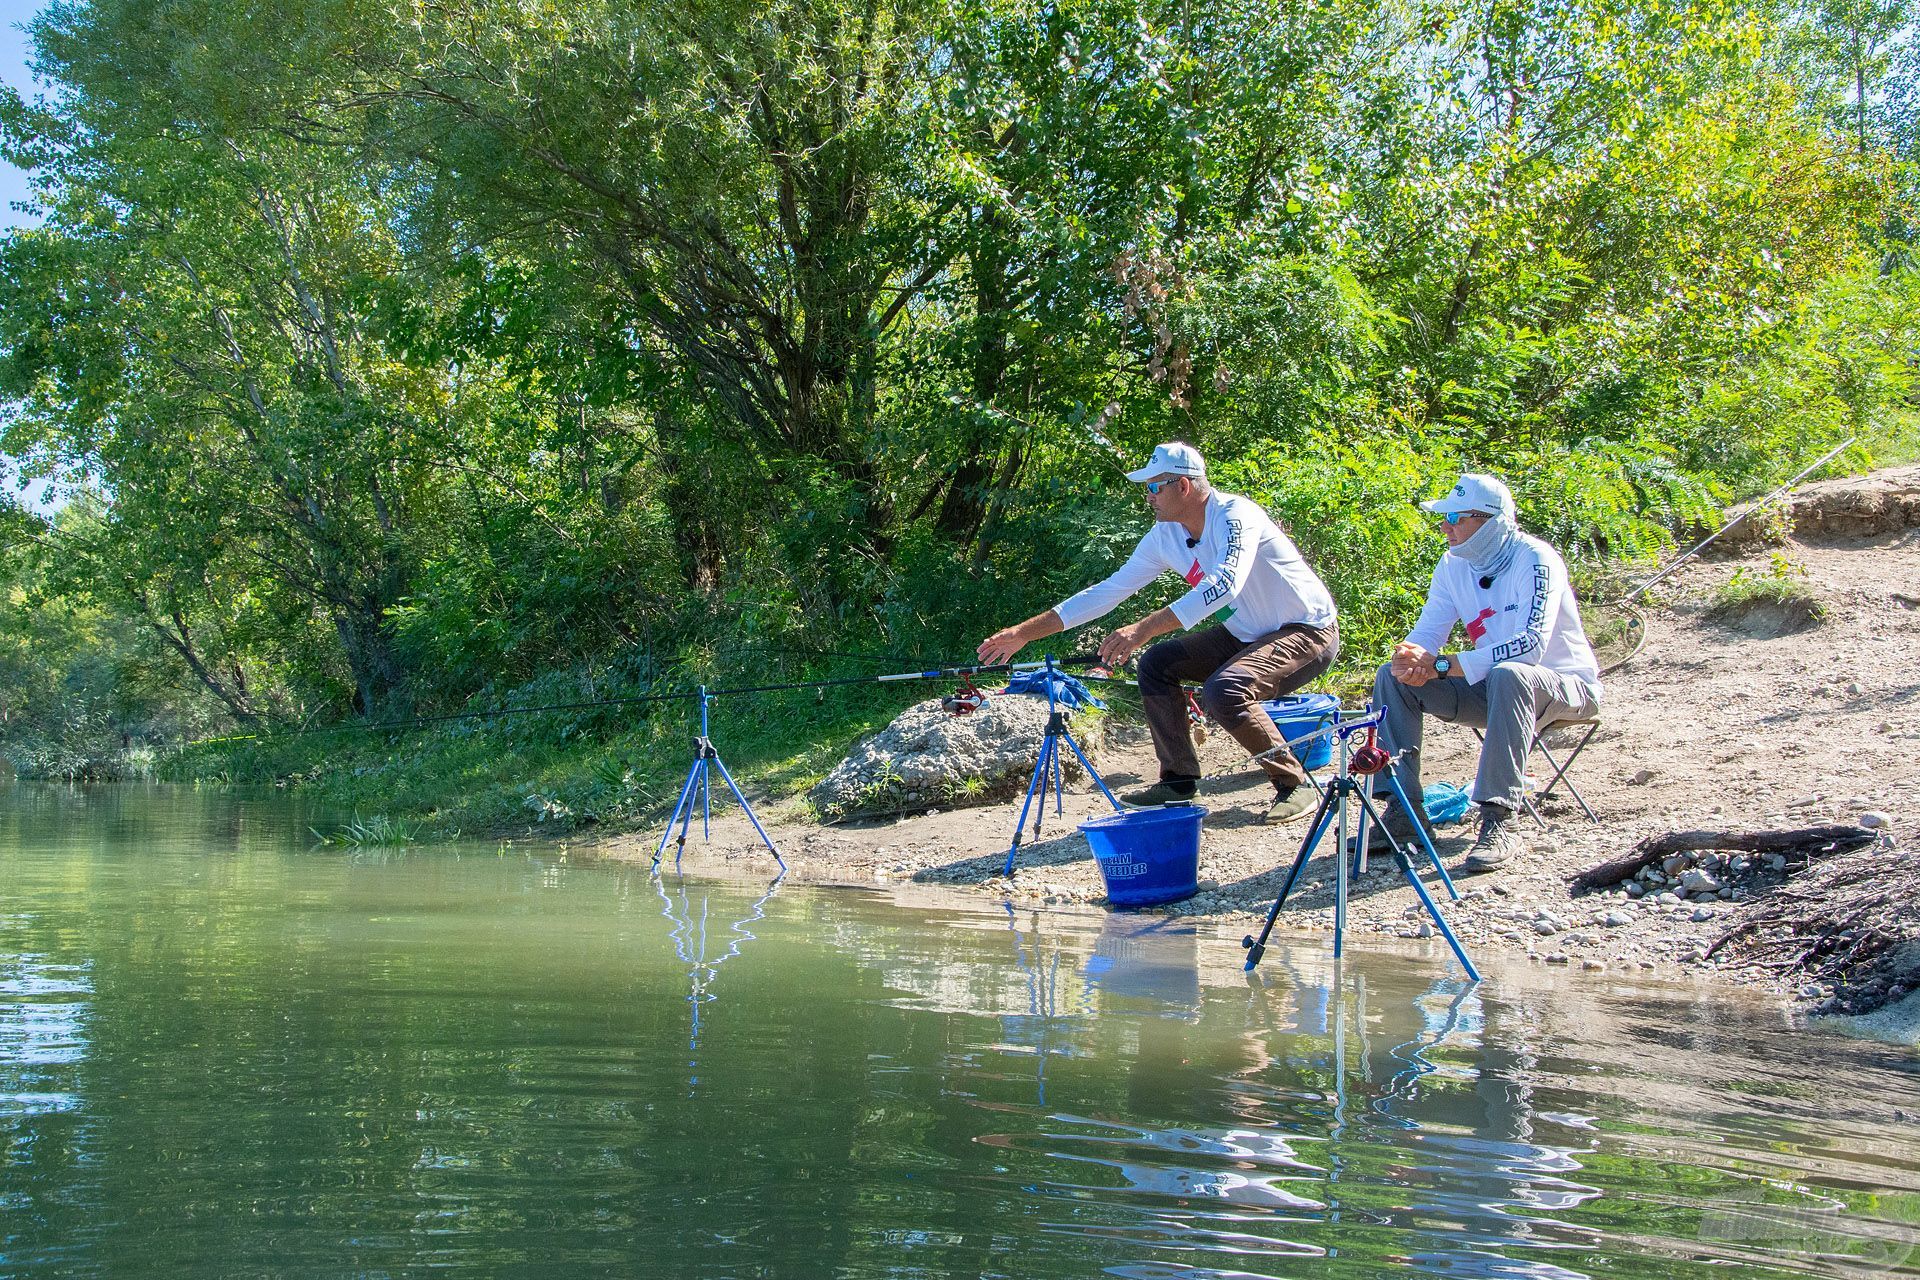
x=1238 y=675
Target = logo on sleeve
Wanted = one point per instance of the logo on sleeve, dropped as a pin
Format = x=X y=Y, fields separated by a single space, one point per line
x=1477 y=627
x=1194 y=575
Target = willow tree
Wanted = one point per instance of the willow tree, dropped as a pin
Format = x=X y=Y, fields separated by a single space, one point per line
x=195 y=331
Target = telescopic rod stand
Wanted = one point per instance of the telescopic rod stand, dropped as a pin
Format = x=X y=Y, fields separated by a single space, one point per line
x=1343 y=789
x=699 y=779
x=1048 y=767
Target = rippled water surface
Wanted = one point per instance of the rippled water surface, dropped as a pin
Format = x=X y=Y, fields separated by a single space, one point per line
x=226 y=1052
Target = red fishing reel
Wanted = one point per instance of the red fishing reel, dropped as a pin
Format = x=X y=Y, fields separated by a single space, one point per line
x=966 y=699
x=1368 y=758
x=1196 y=720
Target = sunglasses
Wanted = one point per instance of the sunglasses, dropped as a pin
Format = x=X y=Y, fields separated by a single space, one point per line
x=1155 y=486
x=1455 y=517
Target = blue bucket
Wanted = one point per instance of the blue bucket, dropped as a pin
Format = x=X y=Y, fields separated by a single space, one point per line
x=1302 y=714
x=1148 y=856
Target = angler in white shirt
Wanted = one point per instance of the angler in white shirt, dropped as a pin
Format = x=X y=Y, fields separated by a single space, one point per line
x=1529 y=663
x=1275 y=630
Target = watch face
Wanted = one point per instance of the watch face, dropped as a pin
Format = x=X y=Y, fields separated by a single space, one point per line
x=1443 y=665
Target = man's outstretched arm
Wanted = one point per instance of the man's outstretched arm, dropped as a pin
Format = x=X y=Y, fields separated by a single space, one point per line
x=1002 y=645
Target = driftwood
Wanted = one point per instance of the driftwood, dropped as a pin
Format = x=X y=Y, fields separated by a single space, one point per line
x=1855 y=933
x=1811 y=842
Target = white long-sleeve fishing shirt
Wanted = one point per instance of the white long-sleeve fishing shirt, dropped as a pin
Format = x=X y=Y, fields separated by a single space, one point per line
x=1525 y=614
x=1242 y=562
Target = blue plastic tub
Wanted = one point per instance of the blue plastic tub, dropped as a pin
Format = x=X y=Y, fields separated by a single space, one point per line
x=1148 y=856
x=1304 y=713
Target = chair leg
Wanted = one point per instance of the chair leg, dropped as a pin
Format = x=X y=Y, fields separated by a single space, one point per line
x=1560 y=770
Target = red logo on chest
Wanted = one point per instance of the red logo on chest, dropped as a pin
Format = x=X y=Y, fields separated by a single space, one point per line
x=1194 y=575
x=1477 y=629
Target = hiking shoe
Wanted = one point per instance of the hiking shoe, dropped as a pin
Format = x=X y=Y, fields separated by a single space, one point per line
x=1289 y=804
x=1176 y=791
x=1499 y=840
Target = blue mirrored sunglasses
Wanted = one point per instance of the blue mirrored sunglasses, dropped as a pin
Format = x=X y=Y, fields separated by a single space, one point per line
x=1455 y=517
x=1155 y=486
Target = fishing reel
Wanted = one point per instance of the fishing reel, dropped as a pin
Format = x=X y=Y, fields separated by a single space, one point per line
x=1369 y=757
x=1196 y=719
x=965 y=700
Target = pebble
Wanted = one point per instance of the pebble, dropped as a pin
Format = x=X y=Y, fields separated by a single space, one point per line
x=1696 y=880
x=1591 y=963
x=1559 y=957
x=1424 y=931
x=1854 y=687
x=1635 y=889
x=1545 y=928
x=1874 y=820
x=1641 y=778
x=1614 y=919
x=1703 y=913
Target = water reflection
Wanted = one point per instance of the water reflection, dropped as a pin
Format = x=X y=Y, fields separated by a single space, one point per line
x=221 y=1054
x=690 y=930
x=43 y=1035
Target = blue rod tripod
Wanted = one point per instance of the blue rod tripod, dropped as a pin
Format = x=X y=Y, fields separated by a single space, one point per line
x=1048 y=767
x=700 y=779
x=1340 y=789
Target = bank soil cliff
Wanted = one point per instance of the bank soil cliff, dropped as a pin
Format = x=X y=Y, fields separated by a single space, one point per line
x=1741 y=723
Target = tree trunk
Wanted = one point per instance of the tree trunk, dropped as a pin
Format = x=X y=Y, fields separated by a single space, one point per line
x=965 y=505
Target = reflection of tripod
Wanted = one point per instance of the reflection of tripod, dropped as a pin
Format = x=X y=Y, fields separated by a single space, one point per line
x=698 y=778
x=1048 y=765
x=1333 y=811
x=690 y=943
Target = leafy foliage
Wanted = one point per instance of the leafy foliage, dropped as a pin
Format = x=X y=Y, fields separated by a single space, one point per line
x=403 y=359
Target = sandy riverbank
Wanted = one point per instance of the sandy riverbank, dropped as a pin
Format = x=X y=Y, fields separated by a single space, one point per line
x=1711 y=725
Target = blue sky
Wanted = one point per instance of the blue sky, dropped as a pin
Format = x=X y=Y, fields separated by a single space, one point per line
x=13 y=69
x=13 y=183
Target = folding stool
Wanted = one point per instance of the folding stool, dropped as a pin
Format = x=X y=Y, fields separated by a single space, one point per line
x=1559 y=768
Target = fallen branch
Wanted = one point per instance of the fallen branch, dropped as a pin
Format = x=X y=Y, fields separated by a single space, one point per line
x=1813 y=842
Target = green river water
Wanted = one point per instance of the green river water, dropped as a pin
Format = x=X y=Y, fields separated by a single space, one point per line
x=226 y=1052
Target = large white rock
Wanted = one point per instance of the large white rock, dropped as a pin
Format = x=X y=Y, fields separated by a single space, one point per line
x=928 y=756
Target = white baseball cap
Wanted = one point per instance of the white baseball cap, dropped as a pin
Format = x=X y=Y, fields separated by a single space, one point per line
x=1171 y=459
x=1473 y=492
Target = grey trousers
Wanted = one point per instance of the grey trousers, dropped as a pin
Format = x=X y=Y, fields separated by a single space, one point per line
x=1513 y=701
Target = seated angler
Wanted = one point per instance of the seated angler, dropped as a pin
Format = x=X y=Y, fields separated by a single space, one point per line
x=1275 y=632
x=1529 y=664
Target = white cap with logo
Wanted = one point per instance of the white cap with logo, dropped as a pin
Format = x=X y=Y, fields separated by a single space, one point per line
x=1473 y=492
x=1171 y=459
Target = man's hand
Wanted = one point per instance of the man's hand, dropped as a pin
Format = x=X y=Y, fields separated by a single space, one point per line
x=1120 y=646
x=1001 y=646
x=1412 y=665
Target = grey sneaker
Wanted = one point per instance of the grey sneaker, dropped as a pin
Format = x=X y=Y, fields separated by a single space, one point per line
x=1287 y=805
x=1179 y=791
x=1499 y=840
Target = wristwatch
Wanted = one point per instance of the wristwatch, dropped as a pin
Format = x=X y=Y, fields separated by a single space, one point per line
x=1442 y=665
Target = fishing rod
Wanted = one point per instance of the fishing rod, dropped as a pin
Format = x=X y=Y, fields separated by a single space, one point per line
x=1764 y=502
x=418 y=722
